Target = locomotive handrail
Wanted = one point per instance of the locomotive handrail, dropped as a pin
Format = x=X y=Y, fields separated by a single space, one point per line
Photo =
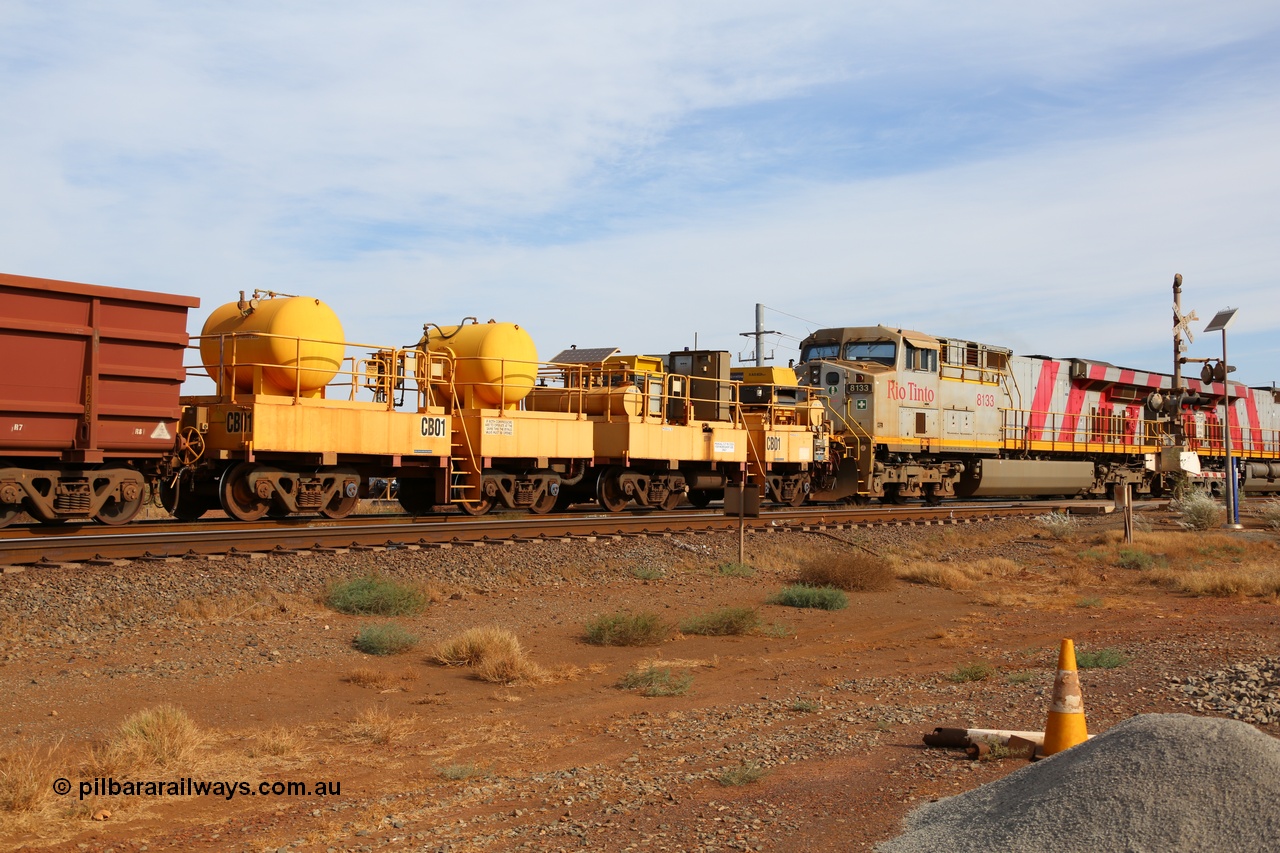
x=1104 y=432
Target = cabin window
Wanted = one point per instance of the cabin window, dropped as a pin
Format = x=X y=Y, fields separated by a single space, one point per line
x=813 y=352
x=881 y=352
x=921 y=358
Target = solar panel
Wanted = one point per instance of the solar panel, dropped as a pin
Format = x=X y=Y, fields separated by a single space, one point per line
x=589 y=355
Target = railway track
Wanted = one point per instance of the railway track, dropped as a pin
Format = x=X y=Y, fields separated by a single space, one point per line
x=35 y=546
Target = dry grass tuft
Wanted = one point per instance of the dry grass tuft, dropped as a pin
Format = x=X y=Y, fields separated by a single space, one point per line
x=1219 y=582
x=853 y=571
x=496 y=656
x=163 y=736
x=1074 y=574
x=26 y=774
x=277 y=742
x=375 y=678
x=257 y=607
x=942 y=575
x=510 y=669
x=475 y=645
x=993 y=567
x=379 y=726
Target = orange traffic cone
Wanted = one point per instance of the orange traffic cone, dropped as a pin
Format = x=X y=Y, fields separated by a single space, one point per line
x=1066 y=726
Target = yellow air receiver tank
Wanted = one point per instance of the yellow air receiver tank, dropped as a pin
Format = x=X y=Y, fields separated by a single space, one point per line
x=278 y=335
x=494 y=364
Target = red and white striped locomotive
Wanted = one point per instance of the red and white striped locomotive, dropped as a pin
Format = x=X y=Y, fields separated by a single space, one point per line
x=929 y=417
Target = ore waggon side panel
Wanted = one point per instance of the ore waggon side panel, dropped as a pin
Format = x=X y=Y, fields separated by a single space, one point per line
x=89 y=398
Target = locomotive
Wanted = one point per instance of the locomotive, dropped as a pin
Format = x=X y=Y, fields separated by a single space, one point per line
x=918 y=416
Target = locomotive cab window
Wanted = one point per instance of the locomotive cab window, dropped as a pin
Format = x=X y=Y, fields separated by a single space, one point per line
x=814 y=352
x=922 y=359
x=881 y=352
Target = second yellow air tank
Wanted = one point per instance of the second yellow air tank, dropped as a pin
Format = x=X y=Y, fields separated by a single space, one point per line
x=494 y=364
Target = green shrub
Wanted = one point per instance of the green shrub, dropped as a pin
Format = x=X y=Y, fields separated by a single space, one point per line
x=1131 y=558
x=657 y=681
x=1020 y=677
x=646 y=573
x=1089 y=601
x=805 y=706
x=387 y=639
x=972 y=672
x=723 y=622
x=736 y=570
x=1101 y=659
x=817 y=597
x=744 y=774
x=627 y=629
x=1059 y=525
x=375 y=596
x=853 y=571
x=1199 y=511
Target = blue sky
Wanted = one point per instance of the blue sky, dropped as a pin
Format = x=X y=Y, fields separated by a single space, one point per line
x=634 y=175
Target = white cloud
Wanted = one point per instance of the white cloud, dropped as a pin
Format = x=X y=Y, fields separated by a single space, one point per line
x=412 y=162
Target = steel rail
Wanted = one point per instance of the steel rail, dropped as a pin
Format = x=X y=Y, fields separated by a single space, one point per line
x=163 y=540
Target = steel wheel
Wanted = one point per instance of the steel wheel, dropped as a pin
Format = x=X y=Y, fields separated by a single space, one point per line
x=801 y=495
x=348 y=496
x=120 y=510
x=8 y=512
x=700 y=498
x=237 y=500
x=115 y=511
x=609 y=490
x=673 y=501
x=182 y=504
x=476 y=506
x=416 y=495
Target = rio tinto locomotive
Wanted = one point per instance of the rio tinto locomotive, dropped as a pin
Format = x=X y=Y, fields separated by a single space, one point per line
x=918 y=416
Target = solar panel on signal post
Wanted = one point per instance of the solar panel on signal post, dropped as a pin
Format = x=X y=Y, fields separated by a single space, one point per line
x=1219 y=323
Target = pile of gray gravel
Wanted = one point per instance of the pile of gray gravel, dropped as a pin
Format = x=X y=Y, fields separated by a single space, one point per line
x=1156 y=782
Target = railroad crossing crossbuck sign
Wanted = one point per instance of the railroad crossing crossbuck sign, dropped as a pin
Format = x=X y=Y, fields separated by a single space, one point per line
x=1182 y=324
